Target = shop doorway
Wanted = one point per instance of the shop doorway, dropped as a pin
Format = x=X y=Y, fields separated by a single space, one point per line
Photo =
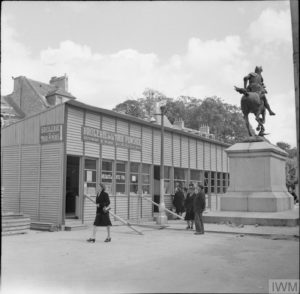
x=72 y=188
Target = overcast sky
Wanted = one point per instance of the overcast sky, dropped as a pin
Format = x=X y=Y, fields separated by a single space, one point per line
x=112 y=51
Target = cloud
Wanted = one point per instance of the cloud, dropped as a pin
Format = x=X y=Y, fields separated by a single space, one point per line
x=272 y=27
x=206 y=68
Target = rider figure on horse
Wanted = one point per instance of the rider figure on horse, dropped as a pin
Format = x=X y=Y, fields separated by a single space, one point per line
x=256 y=84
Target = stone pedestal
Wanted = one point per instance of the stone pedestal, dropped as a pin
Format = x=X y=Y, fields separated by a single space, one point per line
x=257 y=179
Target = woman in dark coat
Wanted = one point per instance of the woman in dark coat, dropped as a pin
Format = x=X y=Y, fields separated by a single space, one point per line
x=102 y=215
x=179 y=200
x=189 y=211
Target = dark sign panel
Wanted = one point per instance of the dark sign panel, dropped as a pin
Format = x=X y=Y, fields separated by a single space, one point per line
x=109 y=138
x=51 y=134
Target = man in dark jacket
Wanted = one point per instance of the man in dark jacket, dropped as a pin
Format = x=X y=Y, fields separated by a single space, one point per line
x=199 y=207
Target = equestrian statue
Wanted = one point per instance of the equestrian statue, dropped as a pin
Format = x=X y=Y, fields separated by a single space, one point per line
x=254 y=100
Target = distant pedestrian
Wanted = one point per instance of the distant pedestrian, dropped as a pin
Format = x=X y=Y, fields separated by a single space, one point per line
x=199 y=207
x=179 y=200
x=102 y=215
x=189 y=211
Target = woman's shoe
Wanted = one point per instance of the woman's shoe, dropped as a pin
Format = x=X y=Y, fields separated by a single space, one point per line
x=107 y=240
x=188 y=227
x=91 y=240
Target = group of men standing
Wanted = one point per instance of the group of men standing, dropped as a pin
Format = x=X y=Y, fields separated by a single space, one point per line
x=193 y=203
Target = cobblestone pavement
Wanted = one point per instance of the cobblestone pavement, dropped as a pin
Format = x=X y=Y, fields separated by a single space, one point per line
x=170 y=260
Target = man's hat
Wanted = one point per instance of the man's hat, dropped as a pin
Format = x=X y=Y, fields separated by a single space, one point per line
x=191 y=185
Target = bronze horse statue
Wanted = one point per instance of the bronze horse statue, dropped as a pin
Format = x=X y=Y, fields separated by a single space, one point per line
x=252 y=103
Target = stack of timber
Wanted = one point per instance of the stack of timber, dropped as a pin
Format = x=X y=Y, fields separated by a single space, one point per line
x=15 y=223
x=41 y=226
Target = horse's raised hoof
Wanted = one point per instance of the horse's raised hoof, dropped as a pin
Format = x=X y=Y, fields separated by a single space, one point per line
x=272 y=113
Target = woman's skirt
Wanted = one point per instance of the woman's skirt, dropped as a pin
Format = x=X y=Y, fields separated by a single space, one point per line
x=102 y=220
x=189 y=215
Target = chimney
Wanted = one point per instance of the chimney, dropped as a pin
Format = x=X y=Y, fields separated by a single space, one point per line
x=204 y=128
x=60 y=82
x=179 y=123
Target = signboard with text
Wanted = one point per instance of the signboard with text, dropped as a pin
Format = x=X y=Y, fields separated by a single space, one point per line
x=51 y=133
x=91 y=134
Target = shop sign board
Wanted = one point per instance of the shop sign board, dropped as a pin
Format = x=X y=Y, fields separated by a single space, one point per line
x=51 y=133
x=109 y=138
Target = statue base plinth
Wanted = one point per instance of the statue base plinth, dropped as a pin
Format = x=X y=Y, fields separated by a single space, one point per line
x=257 y=179
x=257 y=201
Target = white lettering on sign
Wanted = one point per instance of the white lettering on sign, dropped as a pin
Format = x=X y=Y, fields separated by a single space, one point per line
x=51 y=133
x=109 y=138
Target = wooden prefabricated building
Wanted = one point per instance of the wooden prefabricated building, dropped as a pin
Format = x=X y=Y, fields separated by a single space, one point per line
x=51 y=159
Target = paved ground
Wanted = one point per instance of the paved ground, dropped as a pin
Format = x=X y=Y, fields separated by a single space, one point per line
x=171 y=260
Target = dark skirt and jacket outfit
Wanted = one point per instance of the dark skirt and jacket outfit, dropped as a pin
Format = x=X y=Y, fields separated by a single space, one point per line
x=189 y=209
x=102 y=218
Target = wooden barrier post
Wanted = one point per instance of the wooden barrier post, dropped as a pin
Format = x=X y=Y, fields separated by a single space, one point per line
x=164 y=208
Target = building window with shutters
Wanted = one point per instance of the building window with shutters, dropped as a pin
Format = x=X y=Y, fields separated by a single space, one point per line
x=120 y=178
x=107 y=175
x=90 y=177
x=180 y=177
x=134 y=177
x=146 y=179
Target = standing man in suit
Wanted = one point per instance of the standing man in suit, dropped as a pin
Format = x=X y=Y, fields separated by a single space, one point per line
x=199 y=207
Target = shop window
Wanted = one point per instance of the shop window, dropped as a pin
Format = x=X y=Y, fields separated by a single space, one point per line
x=146 y=178
x=195 y=176
x=134 y=178
x=180 y=177
x=107 y=175
x=167 y=180
x=219 y=186
x=90 y=176
x=212 y=182
x=120 y=178
x=206 y=177
x=224 y=183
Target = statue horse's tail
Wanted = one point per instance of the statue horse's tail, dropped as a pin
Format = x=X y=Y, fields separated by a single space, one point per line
x=241 y=90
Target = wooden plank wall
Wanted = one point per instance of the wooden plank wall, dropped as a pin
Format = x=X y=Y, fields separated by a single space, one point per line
x=176 y=150
x=30 y=181
x=156 y=147
x=51 y=183
x=10 y=179
x=74 y=124
x=146 y=145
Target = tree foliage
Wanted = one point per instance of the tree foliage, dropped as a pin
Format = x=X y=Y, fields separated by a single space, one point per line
x=291 y=164
x=225 y=121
